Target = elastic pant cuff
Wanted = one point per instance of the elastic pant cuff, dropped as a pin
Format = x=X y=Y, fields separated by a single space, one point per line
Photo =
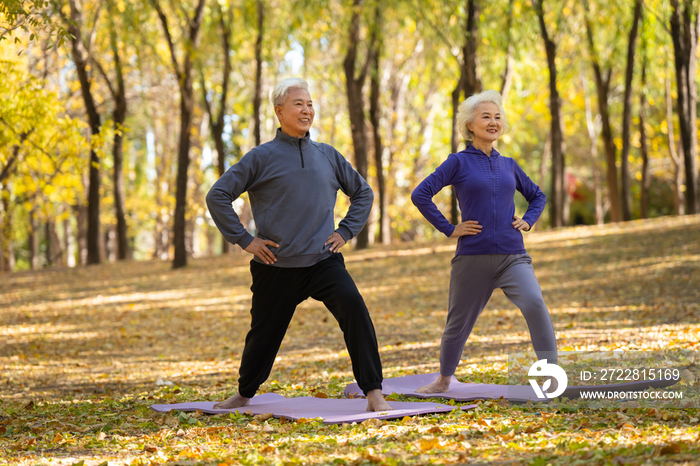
x=371 y=386
x=247 y=395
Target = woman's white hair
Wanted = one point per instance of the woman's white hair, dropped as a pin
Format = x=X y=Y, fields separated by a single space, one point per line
x=467 y=112
x=281 y=90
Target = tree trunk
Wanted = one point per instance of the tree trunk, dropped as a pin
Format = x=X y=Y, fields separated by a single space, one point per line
x=374 y=114
x=454 y=205
x=33 y=241
x=216 y=121
x=471 y=79
x=356 y=106
x=81 y=233
x=684 y=31
x=644 y=151
x=68 y=239
x=593 y=135
x=558 y=182
x=602 y=90
x=257 y=98
x=49 y=252
x=627 y=115
x=676 y=154
x=646 y=174
x=183 y=162
x=507 y=77
x=184 y=75
x=8 y=247
x=81 y=66
x=469 y=84
x=119 y=116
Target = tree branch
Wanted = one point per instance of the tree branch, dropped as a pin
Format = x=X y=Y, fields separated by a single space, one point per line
x=168 y=38
x=438 y=31
x=104 y=76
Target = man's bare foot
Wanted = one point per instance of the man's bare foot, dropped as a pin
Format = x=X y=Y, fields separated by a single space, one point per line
x=376 y=401
x=441 y=385
x=236 y=401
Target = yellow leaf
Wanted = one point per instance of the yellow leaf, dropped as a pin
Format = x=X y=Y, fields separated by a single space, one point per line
x=430 y=443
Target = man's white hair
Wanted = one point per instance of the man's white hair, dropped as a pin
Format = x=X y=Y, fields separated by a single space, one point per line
x=467 y=112
x=281 y=90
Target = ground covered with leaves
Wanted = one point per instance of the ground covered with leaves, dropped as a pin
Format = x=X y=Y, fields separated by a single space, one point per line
x=85 y=352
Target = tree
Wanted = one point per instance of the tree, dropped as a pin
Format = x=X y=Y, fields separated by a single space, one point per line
x=676 y=153
x=216 y=117
x=602 y=80
x=374 y=115
x=592 y=125
x=354 y=83
x=468 y=77
x=257 y=97
x=627 y=114
x=558 y=183
x=685 y=28
x=119 y=112
x=81 y=58
x=41 y=161
x=183 y=72
x=644 y=149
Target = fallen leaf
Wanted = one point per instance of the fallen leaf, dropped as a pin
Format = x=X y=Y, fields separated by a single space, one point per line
x=263 y=417
x=670 y=449
x=372 y=422
x=429 y=443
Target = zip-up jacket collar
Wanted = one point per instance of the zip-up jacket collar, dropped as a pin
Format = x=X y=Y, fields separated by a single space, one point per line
x=292 y=141
x=473 y=150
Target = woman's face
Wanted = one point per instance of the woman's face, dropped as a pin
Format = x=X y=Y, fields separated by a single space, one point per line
x=487 y=125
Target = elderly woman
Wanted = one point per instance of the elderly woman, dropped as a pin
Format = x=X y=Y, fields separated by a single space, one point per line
x=490 y=251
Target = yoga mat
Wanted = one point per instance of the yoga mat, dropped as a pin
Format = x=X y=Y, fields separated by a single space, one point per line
x=332 y=411
x=460 y=391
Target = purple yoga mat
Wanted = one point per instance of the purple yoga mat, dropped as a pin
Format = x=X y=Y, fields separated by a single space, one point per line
x=460 y=391
x=332 y=411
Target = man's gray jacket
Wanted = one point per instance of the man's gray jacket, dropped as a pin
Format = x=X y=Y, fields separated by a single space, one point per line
x=292 y=185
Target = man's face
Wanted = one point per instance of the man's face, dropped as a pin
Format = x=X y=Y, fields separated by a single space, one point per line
x=296 y=114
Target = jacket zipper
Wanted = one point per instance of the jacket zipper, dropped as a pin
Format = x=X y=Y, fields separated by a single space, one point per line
x=301 y=154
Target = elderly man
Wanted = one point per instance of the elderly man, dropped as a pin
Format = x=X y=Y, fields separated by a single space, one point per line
x=292 y=184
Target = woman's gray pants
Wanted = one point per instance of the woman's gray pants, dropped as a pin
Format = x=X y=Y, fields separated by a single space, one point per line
x=472 y=281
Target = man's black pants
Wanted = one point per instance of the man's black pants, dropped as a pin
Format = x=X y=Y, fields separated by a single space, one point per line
x=278 y=291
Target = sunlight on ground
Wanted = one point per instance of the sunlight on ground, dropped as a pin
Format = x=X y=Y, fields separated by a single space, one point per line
x=626 y=286
x=137 y=327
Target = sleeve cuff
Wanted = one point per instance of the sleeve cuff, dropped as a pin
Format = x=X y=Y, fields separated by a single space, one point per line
x=246 y=240
x=450 y=230
x=344 y=232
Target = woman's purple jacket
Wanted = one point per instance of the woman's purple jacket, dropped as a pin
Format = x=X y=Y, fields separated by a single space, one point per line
x=485 y=187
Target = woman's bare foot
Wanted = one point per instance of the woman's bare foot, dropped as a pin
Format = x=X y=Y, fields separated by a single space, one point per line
x=441 y=385
x=376 y=401
x=236 y=401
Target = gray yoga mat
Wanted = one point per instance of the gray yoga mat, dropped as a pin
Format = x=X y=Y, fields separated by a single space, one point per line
x=330 y=410
x=459 y=391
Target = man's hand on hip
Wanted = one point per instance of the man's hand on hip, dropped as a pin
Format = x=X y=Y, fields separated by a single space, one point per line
x=259 y=248
x=336 y=241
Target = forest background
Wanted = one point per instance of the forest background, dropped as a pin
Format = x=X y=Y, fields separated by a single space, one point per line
x=116 y=117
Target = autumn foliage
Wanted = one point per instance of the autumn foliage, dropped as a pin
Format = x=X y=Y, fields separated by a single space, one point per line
x=86 y=351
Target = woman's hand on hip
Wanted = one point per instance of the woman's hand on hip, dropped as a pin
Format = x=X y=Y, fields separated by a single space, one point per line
x=520 y=224
x=467 y=228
